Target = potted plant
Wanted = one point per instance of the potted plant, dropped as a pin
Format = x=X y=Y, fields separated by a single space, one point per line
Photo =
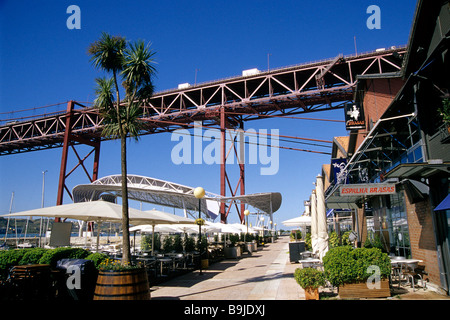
x=358 y=273
x=119 y=281
x=232 y=251
x=310 y=280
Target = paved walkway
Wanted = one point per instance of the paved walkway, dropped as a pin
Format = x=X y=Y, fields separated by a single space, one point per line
x=265 y=275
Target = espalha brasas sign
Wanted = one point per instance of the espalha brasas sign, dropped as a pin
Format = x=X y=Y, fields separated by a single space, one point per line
x=367 y=189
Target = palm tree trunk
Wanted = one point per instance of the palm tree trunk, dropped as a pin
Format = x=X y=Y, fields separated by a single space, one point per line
x=126 y=254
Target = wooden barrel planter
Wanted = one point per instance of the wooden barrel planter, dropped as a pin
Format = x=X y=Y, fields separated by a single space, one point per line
x=122 y=285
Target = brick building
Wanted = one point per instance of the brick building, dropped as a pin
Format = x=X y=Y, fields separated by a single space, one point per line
x=404 y=143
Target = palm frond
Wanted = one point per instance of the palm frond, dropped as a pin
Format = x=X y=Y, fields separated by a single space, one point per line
x=138 y=69
x=104 y=92
x=107 y=52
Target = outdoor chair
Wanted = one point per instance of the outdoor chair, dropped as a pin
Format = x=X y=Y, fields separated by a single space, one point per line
x=396 y=272
x=411 y=273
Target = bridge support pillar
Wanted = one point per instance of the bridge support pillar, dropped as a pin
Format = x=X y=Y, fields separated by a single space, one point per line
x=224 y=177
x=70 y=141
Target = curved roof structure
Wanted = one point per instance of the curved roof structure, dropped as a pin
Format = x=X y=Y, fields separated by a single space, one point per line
x=170 y=194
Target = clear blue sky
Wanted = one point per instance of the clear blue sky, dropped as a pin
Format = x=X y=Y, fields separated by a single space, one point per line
x=42 y=62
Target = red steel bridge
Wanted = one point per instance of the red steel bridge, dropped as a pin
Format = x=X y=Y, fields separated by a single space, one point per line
x=227 y=103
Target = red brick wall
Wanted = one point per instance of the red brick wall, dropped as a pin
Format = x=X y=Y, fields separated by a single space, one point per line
x=378 y=96
x=421 y=235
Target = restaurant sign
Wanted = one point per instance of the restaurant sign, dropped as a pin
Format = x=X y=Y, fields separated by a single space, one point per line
x=367 y=189
x=354 y=116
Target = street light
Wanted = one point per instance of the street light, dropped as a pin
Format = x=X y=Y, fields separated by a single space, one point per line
x=199 y=193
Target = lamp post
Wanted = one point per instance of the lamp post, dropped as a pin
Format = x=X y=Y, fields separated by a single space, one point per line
x=199 y=193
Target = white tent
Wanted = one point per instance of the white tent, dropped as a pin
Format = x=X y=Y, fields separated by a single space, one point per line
x=322 y=230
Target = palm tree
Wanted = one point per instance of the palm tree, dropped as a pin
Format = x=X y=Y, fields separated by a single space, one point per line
x=121 y=118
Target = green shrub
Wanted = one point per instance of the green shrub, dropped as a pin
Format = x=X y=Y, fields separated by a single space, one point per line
x=309 y=278
x=374 y=242
x=333 y=239
x=234 y=238
x=32 y=256
x=347 y=265
x=345 y=238
x=308 y=243
x=177 y=243
x=52 y=256
x=189 y=244
x=146 y=242
x=8 y=259
x=294 y=233
x=168 y=244
x=97 y=258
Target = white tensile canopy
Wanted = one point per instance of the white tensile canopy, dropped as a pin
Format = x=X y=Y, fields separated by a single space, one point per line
x=170 y=194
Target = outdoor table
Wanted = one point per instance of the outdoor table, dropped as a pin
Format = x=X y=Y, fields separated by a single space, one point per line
x=162 y=261
x=306 y=254
x=399 y=262
x=310 y=263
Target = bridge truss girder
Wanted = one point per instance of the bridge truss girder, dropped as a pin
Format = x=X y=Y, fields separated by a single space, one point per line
x=227 y=103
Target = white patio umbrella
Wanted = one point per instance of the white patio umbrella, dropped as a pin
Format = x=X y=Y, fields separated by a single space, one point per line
x=243 y=228
x=224 y=228
x=148 y=228
x=298 y=221
x=314 y=235
x=322 y=230
x=301 y=221
x=100 y=211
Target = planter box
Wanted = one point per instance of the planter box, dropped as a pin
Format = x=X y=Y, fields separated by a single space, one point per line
x=232 y=252
x=311 y=294
x=360 y=290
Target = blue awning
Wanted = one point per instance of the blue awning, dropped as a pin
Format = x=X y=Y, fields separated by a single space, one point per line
x=444 y=205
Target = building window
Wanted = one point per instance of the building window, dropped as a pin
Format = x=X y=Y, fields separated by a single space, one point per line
x=389 y=224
